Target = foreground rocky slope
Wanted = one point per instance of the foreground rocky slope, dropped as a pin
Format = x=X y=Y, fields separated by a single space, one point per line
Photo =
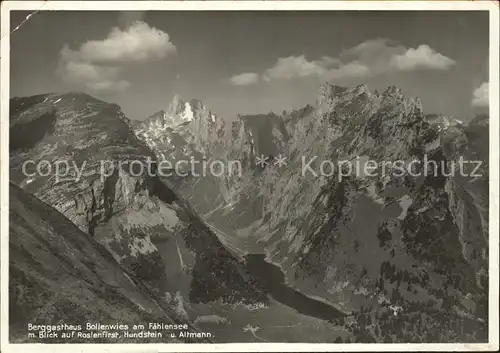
x=150 y=231
x=404 y=253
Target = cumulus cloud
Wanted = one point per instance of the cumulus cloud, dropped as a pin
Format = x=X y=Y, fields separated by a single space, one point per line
x=97 y=64
x=84 y=71
x=139 y=42
x=245 y=79
x=354 y=69
x=294 y=66
x=367 y=59
x=480 y=96
x=423 y=57
x=373 y=49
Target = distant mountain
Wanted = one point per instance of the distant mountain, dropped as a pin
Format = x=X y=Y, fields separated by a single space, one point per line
x=442 y=122
x=399 y=252
x=183 y=130
x=188 y=130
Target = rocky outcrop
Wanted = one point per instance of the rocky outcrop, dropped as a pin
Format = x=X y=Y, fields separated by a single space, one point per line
x=186 y=129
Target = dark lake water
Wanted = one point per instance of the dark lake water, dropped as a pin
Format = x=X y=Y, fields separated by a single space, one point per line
x=272 y=280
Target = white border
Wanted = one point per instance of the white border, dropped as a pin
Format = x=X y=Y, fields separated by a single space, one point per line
x=490 y=6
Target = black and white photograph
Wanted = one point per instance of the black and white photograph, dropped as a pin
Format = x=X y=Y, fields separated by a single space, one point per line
x=186 y=175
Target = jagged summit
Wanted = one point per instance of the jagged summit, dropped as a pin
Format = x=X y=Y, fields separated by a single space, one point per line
x=393 y=90
x=178 y=104
x=179 y=112
x=181 y=130
x=328 y=92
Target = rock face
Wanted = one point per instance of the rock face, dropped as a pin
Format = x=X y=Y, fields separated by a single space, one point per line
x=380 y=209
x=188 y=130
x=107 y=186
x=184 y=130
x=414 y=241
x=184 y=136
x=59 y=274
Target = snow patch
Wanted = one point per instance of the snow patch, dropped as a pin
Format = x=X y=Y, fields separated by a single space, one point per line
x=422 y=209
x=29 y=181
x=404 y=202
x=187 y=114
x=251 y=138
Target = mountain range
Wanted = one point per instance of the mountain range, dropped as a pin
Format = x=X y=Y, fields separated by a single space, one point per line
x=272 y=251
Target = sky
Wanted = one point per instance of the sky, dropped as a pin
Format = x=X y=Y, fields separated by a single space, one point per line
x=252 y=62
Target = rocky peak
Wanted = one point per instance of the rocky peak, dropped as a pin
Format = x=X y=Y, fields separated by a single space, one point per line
x=329 y=92
x=178 y=112
x=392 y=90
x=183 y=128
x=176 y=105
x=182 y=111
